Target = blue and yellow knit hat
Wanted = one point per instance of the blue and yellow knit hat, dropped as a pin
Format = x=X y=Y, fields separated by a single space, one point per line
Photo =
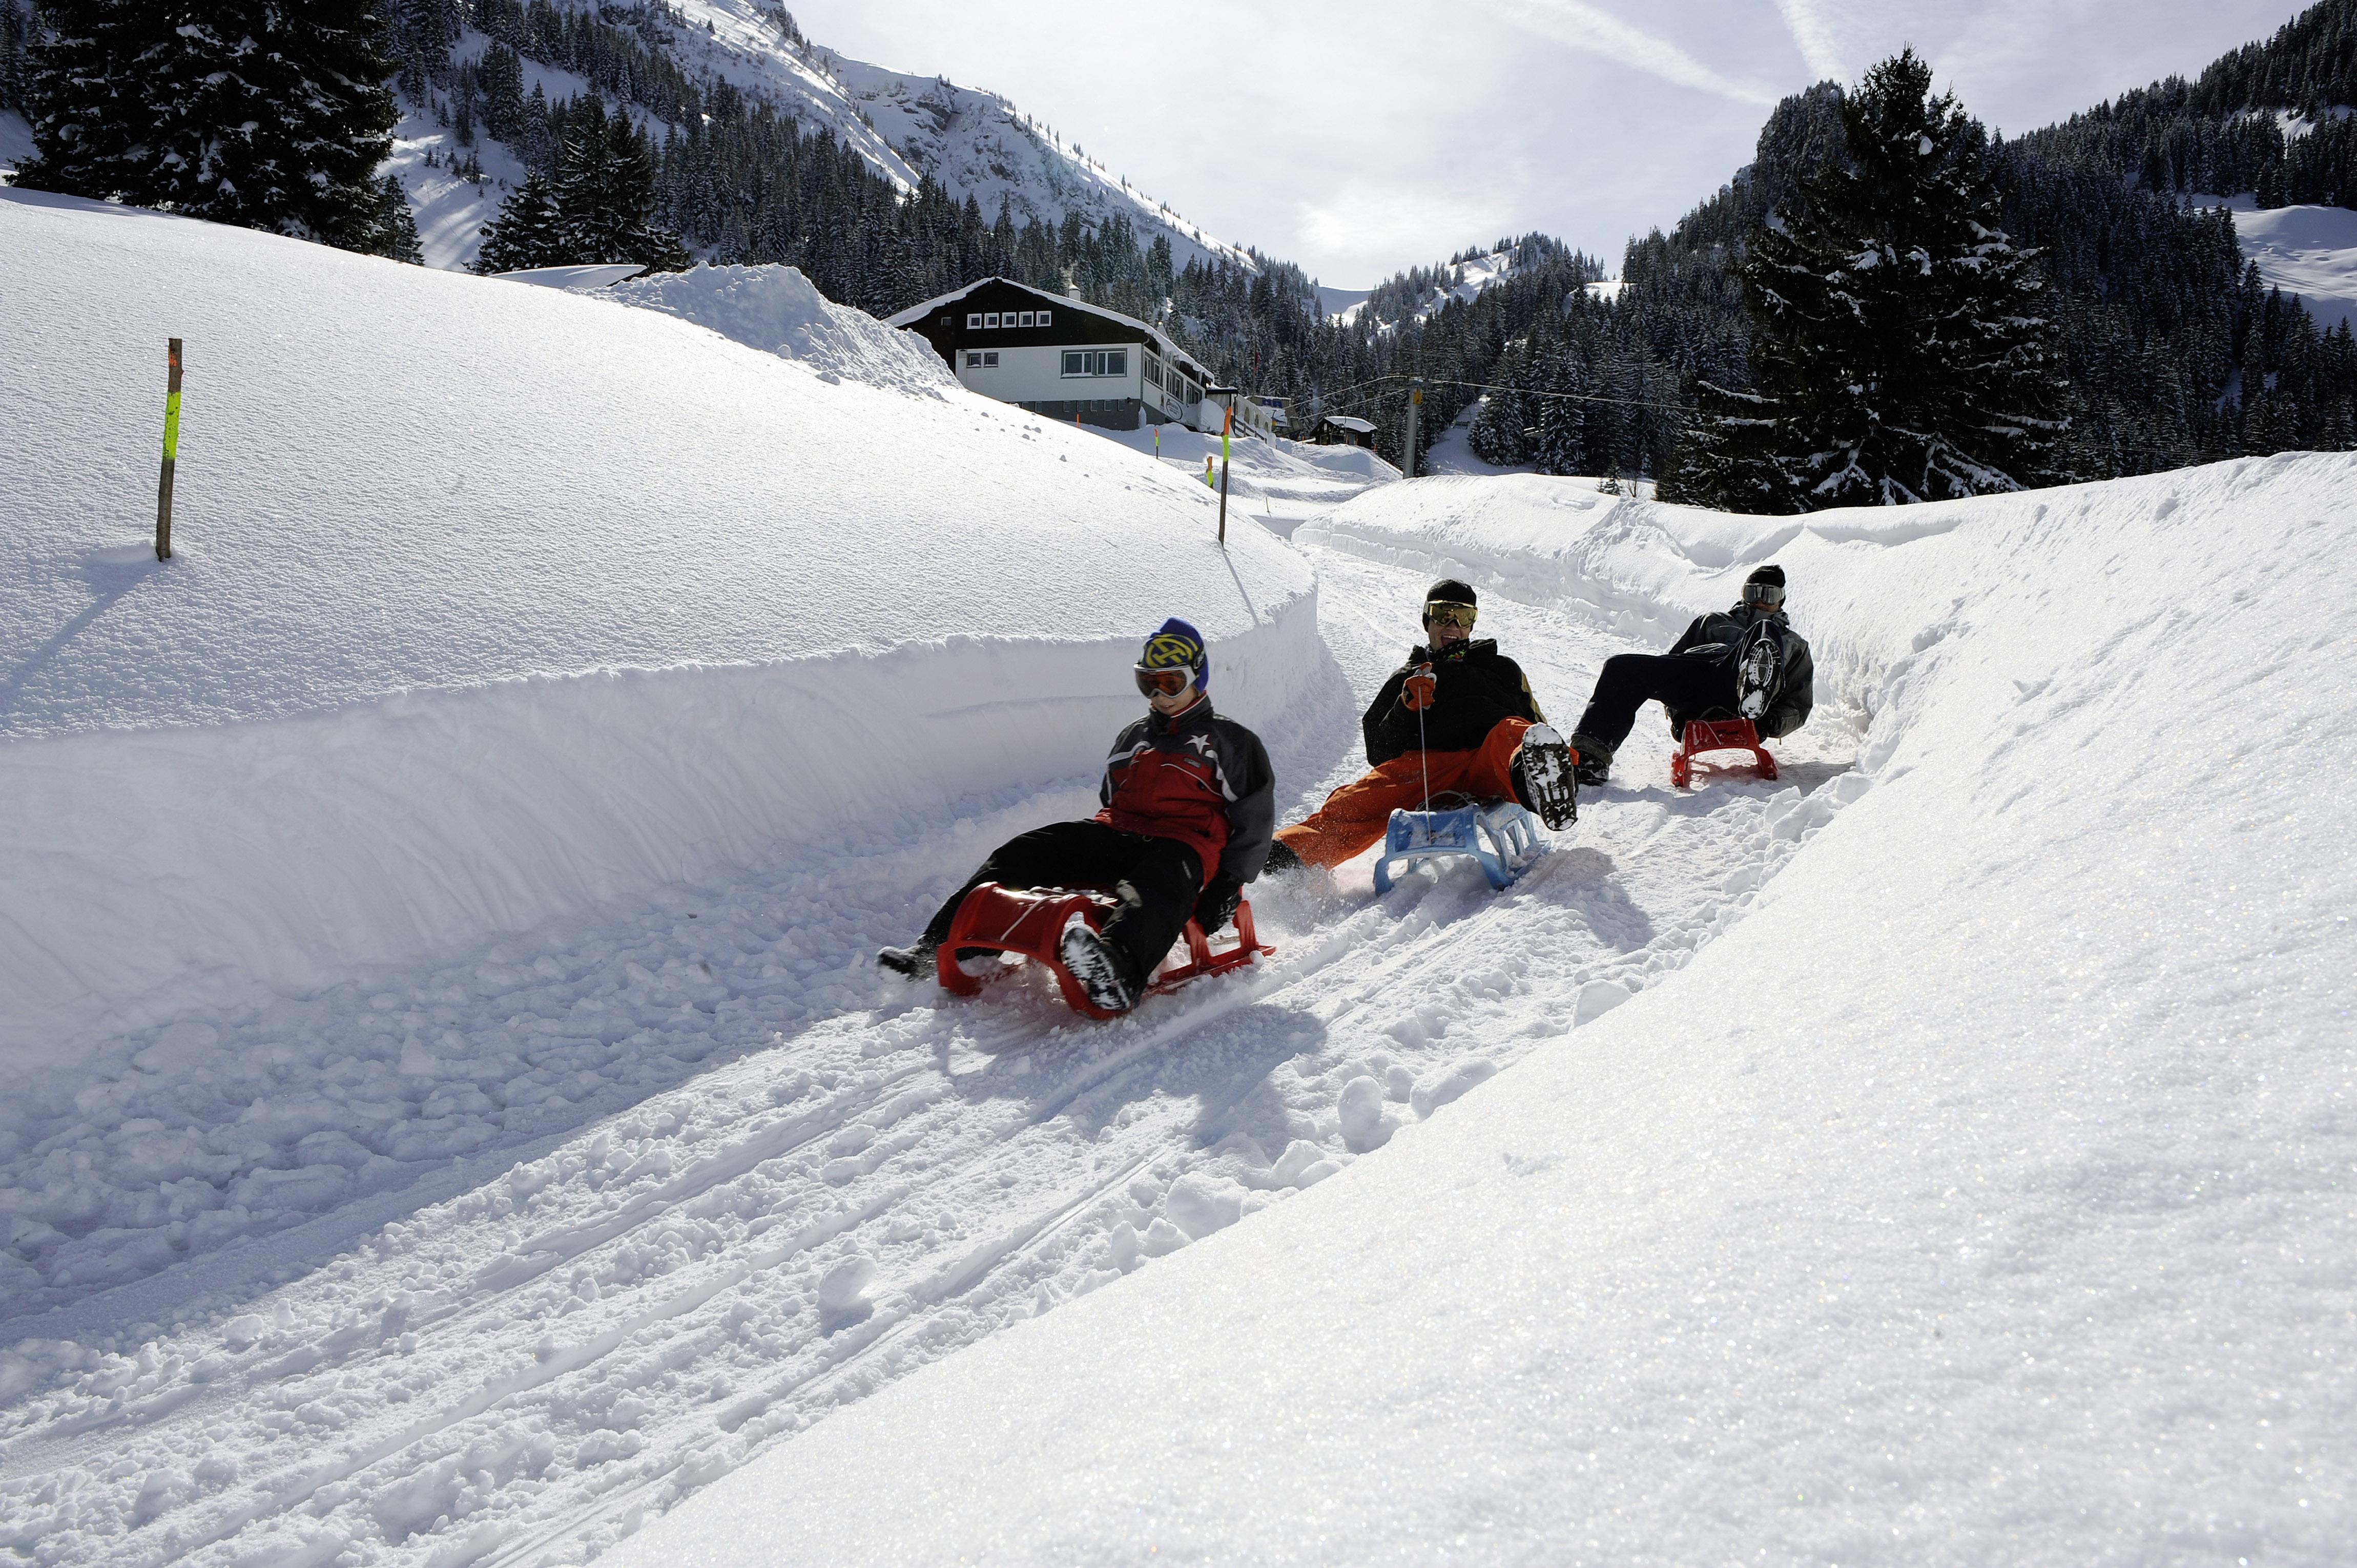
x=1177 y=646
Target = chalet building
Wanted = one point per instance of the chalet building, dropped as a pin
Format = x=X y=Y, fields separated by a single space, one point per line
x=1068 y=360
x=1345 y=430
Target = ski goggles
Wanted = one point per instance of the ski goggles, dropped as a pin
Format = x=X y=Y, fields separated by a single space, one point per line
x=1762 y=593
x=1164 y=680
x=1448 y=612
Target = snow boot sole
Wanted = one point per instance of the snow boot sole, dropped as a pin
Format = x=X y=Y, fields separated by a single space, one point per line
x=1096 y=966
x=1755 y=676
x=1546 y=770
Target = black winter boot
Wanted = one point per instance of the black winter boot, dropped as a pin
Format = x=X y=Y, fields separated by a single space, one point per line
x=1594 y=759
x=913 y=962
x=1102 y=970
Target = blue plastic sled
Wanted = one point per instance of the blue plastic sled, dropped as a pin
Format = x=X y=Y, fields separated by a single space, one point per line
x=1504 y=838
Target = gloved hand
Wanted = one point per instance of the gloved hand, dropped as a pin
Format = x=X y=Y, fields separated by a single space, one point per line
x=1421 y=688
x=1216 y=905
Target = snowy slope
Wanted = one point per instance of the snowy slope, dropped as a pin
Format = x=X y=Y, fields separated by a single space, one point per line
x=977 y=144
x=1981 y=1195
x=2308 y=250
x=973 y=143
x=1467 y=280
x=493 y=603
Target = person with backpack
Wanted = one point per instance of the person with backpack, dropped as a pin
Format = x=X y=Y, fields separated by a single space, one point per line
x=1747 y=662
x=1457 y=719
x=1188 y=802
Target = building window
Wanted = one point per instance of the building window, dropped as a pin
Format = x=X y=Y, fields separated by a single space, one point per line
x=1096 y=361
x=1043 y=316
x=1026 y=319
x=973 y=321
x=982 y=360
x=1152 y=362
x=990 y=320
x=972 y=360
x=990 y=359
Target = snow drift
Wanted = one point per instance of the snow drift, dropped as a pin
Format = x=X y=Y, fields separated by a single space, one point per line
x=1981 y=1195
x=492 y=600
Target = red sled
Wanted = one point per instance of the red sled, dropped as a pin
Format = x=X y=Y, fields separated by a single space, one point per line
x=1718 y=735
x=1031 y=922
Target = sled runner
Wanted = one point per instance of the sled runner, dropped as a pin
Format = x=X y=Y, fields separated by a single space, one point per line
x=1029 y=923
x=1718 y=735
x=1502 y=837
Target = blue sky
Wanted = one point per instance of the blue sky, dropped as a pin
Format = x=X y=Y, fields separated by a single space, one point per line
x=1357 y=139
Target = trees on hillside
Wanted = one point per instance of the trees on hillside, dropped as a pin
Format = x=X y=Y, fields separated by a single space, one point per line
x=1899 y=351
x=597 y=207
x=266 y=113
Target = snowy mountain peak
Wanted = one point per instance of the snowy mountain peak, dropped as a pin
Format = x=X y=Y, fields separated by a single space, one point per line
x=973 y=143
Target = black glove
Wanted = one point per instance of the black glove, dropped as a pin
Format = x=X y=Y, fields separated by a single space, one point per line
x=1216 y=906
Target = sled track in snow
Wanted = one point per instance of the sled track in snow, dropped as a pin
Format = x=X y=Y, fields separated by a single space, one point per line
x=521 y=1372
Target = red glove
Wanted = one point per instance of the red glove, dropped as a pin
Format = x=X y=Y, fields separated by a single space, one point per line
x=1422 y=686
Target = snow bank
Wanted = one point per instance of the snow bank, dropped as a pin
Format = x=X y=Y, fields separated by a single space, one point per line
x=780 y=312
x=1981 y=1195
x=490 y=600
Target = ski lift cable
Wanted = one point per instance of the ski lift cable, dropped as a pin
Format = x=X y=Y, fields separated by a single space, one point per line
x=1325 y=399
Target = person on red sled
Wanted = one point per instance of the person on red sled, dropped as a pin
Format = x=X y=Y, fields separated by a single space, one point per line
x=1456 y=718
x=1747 y=664
x=1189 y=802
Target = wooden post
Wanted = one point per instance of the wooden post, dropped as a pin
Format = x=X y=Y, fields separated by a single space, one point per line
x=172 y=455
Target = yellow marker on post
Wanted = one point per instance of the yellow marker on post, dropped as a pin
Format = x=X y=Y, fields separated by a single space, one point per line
x=172 y=455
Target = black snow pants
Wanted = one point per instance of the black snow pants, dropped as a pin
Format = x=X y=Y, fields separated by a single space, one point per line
x=1680 y=683
x=1157 y=880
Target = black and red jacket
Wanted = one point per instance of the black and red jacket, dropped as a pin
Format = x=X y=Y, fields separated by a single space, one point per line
x=1200 y=779
x=1476 y=686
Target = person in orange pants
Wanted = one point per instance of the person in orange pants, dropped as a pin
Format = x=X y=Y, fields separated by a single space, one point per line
x=1457 y=719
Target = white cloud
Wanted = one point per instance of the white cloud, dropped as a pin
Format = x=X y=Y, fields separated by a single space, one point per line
x=1574 y=24
x=1816 y=34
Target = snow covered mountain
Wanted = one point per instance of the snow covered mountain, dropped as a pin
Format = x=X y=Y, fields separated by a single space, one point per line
x=973 y=143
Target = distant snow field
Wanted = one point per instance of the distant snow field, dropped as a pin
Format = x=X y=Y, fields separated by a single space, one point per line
x=2308 y=250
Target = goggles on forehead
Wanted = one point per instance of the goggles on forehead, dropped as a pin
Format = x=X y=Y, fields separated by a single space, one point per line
x=1166 y=679
x=1448 y=612
x=1762 y=593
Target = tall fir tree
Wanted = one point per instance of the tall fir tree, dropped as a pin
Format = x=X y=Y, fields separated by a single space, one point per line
x=528 y=232
x=606 y=193
x=88 y=97
x=1899 y=351
x=266 y=113
x=15 y=35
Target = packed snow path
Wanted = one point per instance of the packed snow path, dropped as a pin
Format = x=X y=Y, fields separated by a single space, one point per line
x=660 y=1194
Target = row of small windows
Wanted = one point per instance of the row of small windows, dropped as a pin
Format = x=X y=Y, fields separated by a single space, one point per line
x=996 y=320
x=1077 y=363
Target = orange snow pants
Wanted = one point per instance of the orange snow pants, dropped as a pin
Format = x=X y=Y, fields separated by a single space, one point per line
x=1354 y=817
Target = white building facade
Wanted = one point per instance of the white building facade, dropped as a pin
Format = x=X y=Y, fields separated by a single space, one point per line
x=1059 y=357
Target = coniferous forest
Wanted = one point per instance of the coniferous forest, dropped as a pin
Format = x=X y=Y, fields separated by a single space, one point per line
x=2152 y=346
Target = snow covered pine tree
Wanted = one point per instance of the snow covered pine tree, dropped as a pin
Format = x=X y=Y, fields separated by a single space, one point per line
x=600 y=205
x=1898 y=352
x=248 y=111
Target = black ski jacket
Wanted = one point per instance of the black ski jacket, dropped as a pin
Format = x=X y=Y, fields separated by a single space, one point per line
x=1200 y=779
x=1715 y=636
x=1476 y=686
